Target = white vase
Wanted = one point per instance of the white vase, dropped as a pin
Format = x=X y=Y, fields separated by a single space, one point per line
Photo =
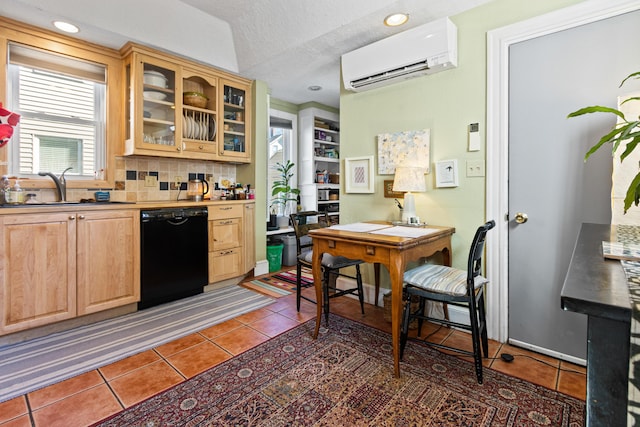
x=283 y=221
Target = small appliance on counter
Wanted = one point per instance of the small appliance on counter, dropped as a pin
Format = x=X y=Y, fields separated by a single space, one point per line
x=196 y=189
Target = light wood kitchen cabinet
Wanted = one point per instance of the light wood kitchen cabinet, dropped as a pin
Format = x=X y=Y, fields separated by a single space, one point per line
x=235 y=137
x=108 y=263
x=225 y=242
x=231 y=240
x=200 y=122
x=164 y=119
x=249 y=244
x=57 y=266
x=38 y=270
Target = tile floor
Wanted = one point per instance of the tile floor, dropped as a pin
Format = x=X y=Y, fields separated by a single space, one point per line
x=90 y=397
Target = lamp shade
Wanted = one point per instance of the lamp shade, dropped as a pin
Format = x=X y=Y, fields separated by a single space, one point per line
x=409 y=179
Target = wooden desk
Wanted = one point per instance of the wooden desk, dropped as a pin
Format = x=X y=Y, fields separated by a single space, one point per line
x=391 y=251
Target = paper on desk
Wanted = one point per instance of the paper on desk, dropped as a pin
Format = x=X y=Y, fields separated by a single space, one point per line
x=362 y=227
x=406 y=231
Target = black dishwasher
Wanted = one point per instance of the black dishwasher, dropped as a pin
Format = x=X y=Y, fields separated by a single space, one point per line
x=174 y=254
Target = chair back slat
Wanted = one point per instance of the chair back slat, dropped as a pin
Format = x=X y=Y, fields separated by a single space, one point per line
x=474 y=266
x=302 y=226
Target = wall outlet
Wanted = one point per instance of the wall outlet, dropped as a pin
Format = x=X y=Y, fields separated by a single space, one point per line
x=150 y=181
x=475 y=168
x=178 y=180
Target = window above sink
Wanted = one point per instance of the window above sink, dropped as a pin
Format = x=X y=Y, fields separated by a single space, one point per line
x=69 y=97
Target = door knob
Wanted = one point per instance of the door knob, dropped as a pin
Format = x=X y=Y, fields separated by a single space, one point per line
x=521 y=218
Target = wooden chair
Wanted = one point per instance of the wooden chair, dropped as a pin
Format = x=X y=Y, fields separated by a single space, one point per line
x=454 y=287
x=302 y=223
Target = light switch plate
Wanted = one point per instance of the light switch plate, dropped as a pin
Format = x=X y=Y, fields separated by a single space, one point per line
x=475 y=168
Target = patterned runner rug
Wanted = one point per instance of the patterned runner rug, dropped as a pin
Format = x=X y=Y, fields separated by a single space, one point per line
x=280 y=284
x=291 y=276
x=33 y=364
x=345 y=378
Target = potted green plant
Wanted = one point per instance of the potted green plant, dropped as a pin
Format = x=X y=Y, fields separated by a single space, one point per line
x=626 y=132
x=281 y=190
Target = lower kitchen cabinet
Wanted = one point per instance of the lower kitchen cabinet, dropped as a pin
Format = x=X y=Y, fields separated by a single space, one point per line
x=225 y=242
x=57 y=266
x=231 y=246
x=249 y=245
x=108 y=263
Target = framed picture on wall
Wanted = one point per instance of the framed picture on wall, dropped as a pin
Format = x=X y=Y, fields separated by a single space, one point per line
x=358 y=174
x=408 y=148
x=447 y=173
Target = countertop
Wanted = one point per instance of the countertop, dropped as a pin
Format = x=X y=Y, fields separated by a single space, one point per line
x=594 y=285
x=22 y=209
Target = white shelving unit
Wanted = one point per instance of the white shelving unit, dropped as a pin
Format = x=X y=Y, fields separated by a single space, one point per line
x=319 y=152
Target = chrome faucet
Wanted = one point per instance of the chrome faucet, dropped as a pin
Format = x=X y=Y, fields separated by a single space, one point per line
x=61 y=183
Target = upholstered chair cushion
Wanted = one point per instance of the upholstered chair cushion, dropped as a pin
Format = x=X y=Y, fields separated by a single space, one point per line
x=441 y=279
x=330 y=261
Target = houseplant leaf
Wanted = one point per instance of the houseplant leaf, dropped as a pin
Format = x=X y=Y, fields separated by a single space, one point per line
x=624 y=132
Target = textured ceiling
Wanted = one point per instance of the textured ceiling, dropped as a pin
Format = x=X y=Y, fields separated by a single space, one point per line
x=289 y=44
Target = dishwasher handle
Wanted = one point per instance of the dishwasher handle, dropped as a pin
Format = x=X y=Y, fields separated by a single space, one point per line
x=179 y=222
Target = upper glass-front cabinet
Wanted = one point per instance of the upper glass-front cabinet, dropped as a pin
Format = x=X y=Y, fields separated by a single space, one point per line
x=151 y=116
x=236 y=132
x=177 y=108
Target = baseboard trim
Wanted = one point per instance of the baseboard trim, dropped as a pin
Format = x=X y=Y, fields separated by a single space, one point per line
x=546 y=351
x=261 y=268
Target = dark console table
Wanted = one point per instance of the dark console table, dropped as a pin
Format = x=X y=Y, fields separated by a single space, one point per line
x=598 y=288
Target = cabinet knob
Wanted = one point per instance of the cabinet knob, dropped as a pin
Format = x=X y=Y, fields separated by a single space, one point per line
x=81 y=217
x=201 y=147
x=72 y=218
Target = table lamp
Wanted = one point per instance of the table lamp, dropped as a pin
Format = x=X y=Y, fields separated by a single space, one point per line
x=409 y=179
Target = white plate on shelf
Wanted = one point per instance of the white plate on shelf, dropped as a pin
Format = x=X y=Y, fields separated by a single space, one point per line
x=184 y=127
x=155 y=78
x=189 y=127
x=153 y=95
x=212 y=128
x=196 y=129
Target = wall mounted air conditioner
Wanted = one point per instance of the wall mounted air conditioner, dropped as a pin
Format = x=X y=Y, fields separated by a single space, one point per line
x=426 y=49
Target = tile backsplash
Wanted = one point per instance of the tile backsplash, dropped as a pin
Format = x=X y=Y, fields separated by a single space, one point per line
x=130 y=177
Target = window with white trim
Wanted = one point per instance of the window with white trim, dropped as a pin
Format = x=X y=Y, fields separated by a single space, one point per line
x=62 y=104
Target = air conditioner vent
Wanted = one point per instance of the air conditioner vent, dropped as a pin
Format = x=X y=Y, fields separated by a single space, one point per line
x=425 y=49
x=391 y=74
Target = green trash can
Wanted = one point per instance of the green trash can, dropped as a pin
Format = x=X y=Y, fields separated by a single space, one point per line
x=274 y=256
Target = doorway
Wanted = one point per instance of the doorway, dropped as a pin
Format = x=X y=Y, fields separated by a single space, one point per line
x=564 y=210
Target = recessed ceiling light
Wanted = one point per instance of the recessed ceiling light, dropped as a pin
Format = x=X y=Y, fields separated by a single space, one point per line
x=315 y=88
x=396 y=19
x=66 y=27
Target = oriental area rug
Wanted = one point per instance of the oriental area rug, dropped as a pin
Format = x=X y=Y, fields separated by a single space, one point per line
x=345 y=378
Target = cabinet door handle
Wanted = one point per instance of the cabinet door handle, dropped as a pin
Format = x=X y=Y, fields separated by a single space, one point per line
x=201 y=147
x=81 y=217
x=230 y=221
x=72 y=218
x=227 y=208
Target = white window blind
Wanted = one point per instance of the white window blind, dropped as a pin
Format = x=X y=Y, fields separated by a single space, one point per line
x=62 y=104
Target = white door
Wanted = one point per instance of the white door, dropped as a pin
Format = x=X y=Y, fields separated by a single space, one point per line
x=549 y=77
